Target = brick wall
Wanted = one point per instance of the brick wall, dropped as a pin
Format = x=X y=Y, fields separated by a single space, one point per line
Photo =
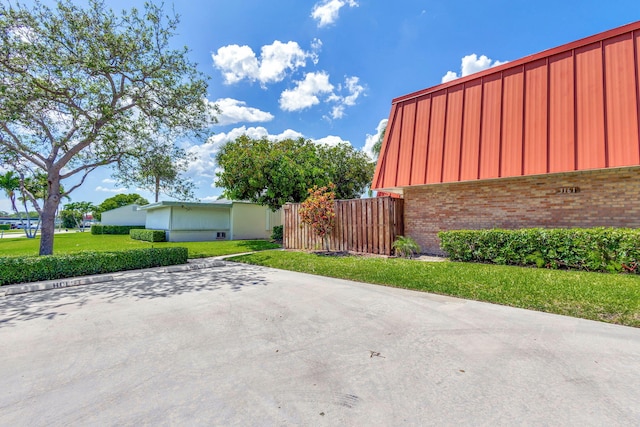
x=609 y=197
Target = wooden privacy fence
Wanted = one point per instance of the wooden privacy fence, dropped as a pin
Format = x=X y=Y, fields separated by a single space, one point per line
x=361 y=225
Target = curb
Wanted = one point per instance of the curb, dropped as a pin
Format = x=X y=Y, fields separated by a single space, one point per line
x=57 y=284
x=24 y=288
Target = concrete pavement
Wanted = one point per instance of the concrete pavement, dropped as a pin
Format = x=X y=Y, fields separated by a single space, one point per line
x=244 y=345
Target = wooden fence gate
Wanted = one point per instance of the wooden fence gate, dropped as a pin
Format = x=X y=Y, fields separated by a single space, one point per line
x=361 y=225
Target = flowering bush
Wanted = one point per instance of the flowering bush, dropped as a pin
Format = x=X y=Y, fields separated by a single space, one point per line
x=318 y=210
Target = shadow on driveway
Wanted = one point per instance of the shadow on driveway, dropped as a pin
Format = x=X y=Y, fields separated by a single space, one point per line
x=135 y=285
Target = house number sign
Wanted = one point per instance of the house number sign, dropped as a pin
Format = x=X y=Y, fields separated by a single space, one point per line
x=569 y=190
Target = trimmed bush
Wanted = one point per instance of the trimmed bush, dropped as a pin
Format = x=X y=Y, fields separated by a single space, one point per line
x=5 y=226
x=114 y=229
x=591 y=249
x=277 y=232
x=36 y=268
x=148 y=235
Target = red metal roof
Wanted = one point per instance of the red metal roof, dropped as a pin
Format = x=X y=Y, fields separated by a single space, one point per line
x=571 y=108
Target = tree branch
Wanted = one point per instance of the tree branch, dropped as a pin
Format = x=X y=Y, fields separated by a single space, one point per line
x=91 y=167
x=21 y=149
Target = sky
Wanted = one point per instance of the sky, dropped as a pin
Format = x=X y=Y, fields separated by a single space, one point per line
x=327 y=70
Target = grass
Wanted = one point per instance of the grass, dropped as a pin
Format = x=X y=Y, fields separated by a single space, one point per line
x=75 y=242
x=604 y=297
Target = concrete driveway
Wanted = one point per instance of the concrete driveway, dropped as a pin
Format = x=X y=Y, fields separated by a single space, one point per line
x=243 y=345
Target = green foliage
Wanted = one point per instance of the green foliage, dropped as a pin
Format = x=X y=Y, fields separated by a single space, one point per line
x=603 y=297
x=89 y=86
x=31 y=269
x=76 y=212
x=350 y=170
x=148 y=235
x=275 y=173
x=277 y=233
x=118 y=201
x=405 y=247
x=157 y=169
x=319 y=211
x=10 y=183
x=5 y=226
x=70 y=219
x=593 y=249
x=114 y=229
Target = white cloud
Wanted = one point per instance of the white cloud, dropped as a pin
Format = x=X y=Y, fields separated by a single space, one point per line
x=276 y=60
x=471 y=64
x=326 y=12
x=372 y=139
x=330 y=140
x=109 y=181
x=306 y=92
x=451 y=75
x=316 y=46
x=233 y=111
x=111 y=190
x=236 y=63
x=353 y=88
x=279 y=57
x=209 y=199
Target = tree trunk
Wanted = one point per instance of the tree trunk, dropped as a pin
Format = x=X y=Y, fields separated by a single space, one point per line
x=48 y=215
x=157 y=188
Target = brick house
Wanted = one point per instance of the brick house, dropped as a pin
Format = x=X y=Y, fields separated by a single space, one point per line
x=549 y=140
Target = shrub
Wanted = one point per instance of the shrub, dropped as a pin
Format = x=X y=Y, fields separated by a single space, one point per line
x=70 y=219
x=277 y=232
x=405 y=247
x=114 y=229
x=318 y=211
x=36 y=268
x=148 y=235
x=591 y=249
x=5 y=226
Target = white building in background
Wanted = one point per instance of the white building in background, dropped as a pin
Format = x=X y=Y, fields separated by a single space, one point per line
x=220 y=220
x=124 y=215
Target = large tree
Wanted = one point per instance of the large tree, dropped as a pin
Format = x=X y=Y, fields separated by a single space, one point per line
x=81 y=88
x=158 y=170
x=274 y=173
x=118 y=201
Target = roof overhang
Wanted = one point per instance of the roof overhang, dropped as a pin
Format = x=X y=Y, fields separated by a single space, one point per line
x=159 y=205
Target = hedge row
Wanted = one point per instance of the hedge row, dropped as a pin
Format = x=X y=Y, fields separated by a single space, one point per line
x=5 y=226
x=591 y=249
x=148 y=235
x=114 y=229
x=36 y=268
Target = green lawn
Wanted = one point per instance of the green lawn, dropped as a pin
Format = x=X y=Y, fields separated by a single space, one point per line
x=77 y=241
x=605 y=297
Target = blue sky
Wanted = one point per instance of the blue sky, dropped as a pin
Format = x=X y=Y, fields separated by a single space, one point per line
x=327 y=70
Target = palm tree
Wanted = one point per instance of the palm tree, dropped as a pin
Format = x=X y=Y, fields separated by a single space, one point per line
x=10 y=183
x=34 y=189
